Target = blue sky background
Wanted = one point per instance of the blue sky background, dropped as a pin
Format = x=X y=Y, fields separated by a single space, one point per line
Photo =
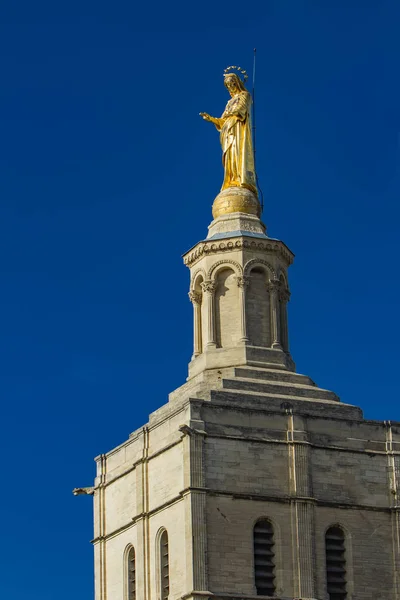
x=107 y=175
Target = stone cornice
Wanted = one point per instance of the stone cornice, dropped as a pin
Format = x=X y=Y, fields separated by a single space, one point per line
x=253 y=497
x=228 y=244
x=221 y=596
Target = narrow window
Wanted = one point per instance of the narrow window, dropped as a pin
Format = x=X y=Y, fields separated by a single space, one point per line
x=264 y=565
x=131 y=573
x=164 y=565
x=335 y=564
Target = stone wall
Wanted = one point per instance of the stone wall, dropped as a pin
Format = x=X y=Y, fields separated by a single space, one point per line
x=304 y=473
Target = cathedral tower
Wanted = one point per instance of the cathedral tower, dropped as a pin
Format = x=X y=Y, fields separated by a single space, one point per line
x=251 y=481
x=239 y=289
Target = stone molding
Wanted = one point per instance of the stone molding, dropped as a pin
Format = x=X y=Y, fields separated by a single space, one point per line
x=289 y=499
x=234 y=222
x=195 y=275
x=259 y=261
x=272 y=246
x=215 y=266
x=229 y=596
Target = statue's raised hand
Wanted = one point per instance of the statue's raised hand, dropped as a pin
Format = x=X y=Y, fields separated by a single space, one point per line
x=206 y=116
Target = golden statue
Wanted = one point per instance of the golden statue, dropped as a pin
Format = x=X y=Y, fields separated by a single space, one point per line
x=236 y=141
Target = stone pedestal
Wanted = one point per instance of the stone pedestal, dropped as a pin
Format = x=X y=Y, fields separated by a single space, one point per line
x=234 y=200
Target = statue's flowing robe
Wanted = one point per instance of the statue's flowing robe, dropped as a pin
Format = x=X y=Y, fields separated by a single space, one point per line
x=237 y=144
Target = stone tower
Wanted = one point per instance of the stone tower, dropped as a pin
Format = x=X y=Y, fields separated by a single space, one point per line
x=251 y=480
x=239 y=289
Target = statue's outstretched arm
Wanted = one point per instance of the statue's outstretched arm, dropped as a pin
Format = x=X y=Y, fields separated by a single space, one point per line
x=217 y=122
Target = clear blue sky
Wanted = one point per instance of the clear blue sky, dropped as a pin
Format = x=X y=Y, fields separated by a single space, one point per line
x=107 y=175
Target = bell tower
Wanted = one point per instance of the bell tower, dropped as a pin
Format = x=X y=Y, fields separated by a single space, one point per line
x=251 y=481
x=239 y=289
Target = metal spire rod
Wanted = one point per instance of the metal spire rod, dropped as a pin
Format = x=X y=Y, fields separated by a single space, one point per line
x=253 y=93
x=254 y=128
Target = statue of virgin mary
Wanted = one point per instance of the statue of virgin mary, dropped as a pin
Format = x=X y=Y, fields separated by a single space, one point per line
x=235 y=136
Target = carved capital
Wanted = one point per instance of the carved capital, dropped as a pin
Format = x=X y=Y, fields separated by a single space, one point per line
x=273 y=286
x=242 y=282
x=284 y=296
x=195 y=297
x=208 y=286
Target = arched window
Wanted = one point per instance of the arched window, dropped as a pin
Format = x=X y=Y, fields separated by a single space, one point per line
x=335 y=563
x=131 y=574
x=264 y=564
x=164 y=566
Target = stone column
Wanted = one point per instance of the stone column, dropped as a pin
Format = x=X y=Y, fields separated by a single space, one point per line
x=195 y=508
x=101 y=546
x=208 y=288
x=198 y=513
x=393 y=468
x=284 y=296
x=302 y=509
x=141 y=524
x=195 y=298
x=243 y=283
x=273 y=288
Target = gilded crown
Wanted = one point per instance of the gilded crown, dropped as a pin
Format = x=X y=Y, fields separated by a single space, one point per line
x=233 y=68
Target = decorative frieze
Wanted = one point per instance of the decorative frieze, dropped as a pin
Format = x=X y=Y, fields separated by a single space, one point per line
x=275 y=247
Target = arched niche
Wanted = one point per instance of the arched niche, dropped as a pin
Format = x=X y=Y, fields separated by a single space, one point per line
x=258 y=307
x=227 y=308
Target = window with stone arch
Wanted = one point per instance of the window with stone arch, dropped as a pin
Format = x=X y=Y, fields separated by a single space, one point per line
x=336 y=573
x=264 y=558
x=163 y=565
x=130 y=574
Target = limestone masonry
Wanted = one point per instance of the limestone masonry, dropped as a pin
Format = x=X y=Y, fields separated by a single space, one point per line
x=251 y=481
